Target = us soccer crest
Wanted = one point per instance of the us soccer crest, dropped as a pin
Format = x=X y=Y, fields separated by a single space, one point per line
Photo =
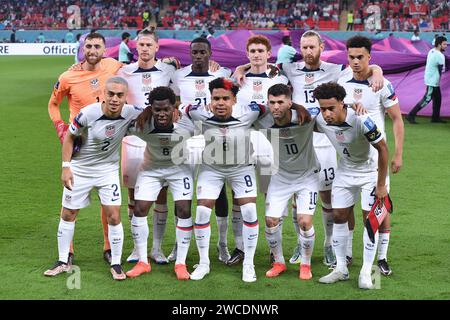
x=357 y=93
x=164 y=141
x=223 y=131
x=257 y=85
x=200 y=85
x=146 y=79
x=339 y=135
x=285 y=133
x=309 y=78
x=110 y=130
x=95 y=84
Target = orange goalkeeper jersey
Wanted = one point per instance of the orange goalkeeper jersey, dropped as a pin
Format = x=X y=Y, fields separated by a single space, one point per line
x=81 y=88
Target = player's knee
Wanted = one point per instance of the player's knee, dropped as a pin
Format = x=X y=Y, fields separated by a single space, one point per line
x=272 y=222
x=68 y=215
x=249 y=212
x=141 y=209
x=162 y=196
x=339 y=216
x=304 y=221
x=183 y=210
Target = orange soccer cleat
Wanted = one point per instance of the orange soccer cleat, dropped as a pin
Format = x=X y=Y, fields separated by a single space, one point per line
x=276 y=269
x=305 y=272
x=181 y=272
x=140 y=268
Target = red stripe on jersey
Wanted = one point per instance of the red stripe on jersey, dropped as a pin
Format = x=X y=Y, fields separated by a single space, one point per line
x=185 y=228
x=201 y=226
x=251 y=224
x=262 y=109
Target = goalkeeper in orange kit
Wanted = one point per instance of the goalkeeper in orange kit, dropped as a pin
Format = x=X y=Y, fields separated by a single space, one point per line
x=83 y=86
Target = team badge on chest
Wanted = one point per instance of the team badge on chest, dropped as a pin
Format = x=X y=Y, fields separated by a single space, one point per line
x=110 y=130
x=146 y=79
x=357 y=93
x=309 y=78
x=339 y=135
x=95 y=84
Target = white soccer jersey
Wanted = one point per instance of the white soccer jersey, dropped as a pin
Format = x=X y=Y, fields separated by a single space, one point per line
x=255 y=87
x=141 y=82
x=295 y=155
x=227 y=142
x=376 y=103
x=304 y=81
x=165 y=148
x=352 y=140
x=193 y=87
x=102 y=137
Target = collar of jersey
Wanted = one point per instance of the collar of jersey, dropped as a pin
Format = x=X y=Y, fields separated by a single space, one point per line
x=230 y=119
x=305 y=69
x=353 y=80
x=140 y=70
x=199 y=74
x=275 y=126
x=257 y=75
x=105 y=117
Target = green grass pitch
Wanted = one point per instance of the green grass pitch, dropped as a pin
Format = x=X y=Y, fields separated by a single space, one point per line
x=31 y=199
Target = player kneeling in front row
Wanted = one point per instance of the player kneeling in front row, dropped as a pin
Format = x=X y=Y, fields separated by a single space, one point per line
x=102 y=127
x=297 y=175
x=162 y=164
x=357 y=173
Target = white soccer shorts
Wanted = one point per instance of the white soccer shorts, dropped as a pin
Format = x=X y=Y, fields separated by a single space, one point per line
x=150 y=182
x=133 y=150
x=328 y=164
x=281 y=189
x=242 y=181
x=347 y=187
x=108 y=187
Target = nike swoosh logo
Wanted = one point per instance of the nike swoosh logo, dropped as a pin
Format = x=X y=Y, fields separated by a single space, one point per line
x=185 y=194
x=312 y=208
x=115 y=199
x=328 y=184
x=247 y=191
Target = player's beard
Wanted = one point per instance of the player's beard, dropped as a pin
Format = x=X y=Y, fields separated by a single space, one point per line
x=93 y=60
x=312 y=60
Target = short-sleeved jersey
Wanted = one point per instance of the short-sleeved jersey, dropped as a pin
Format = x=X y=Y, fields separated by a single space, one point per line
x=295 y=155
x=352 y=141
x=227 y=142
x=101 y=139
x=82 y=87
x=376 y=103
x=165 y=148
x=304 y=81
x=255 y=87
x=435 y=61
x=142 y=81
x=192 y=87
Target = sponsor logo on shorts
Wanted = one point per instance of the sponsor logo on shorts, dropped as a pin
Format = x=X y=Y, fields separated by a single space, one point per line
x=328 y=184
x=68 y=197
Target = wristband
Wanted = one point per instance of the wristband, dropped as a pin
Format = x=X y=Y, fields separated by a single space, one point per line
x=66 y=164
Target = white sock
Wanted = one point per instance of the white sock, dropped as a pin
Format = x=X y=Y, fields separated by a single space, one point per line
x=383 y=244
x=222 y=225
x=370 y=250
x=131 y=204
x=349 y=250
x=159 y=225
x=274 y=240
x=65 y=237
x=236 y=223
x=296 y=227
x=184 y=235
x=340 y=237
x=307 y=239
x=139 y=231
x=202 y=230
x=327 y=218
x=249 y=231
x=115 y=234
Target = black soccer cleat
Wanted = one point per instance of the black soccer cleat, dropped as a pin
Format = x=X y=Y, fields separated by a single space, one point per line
x=107 y=256
x=411 y=119
x=384 y=267
x=236 y=257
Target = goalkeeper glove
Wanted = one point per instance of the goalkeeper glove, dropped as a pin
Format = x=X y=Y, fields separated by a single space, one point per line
x=61 y=129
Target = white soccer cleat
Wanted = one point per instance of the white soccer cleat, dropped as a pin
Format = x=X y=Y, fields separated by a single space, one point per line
x=133 y=257
x=335 y=276
x=173 y=254
x=248 y=273
x=200 y=272
x=296 y=256
x=159 y=257
x=365 y=281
